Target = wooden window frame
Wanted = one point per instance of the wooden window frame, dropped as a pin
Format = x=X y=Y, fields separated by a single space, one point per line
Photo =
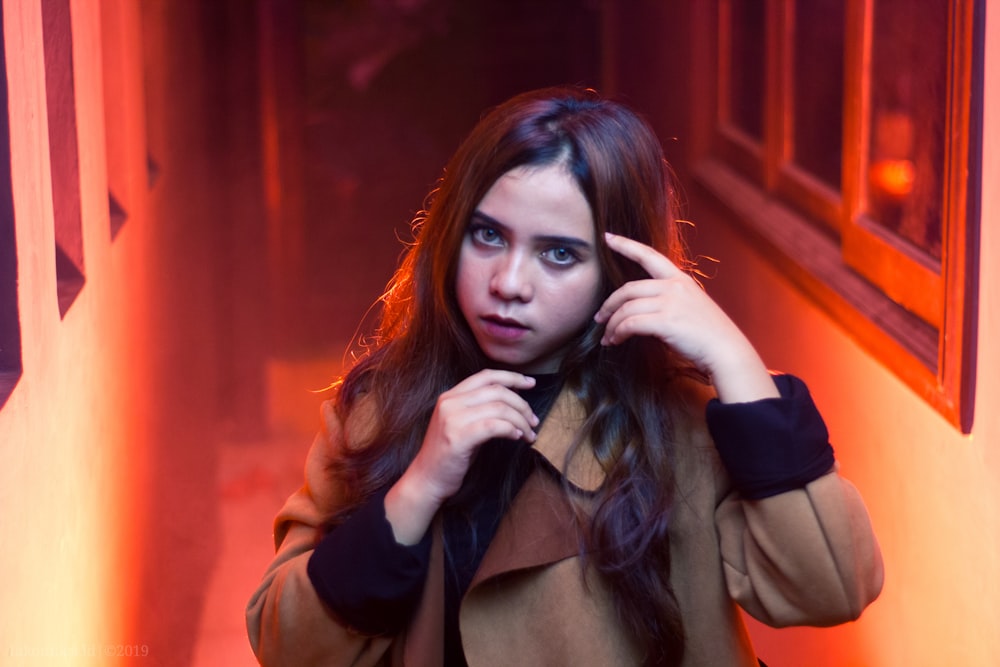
x=915 y=314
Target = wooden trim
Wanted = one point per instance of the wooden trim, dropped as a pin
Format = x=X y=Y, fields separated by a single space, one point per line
x=915 y=314
x=737 y=146
x=857 y=39
x=786 y=179
x=908 y=346
x=905 y=273
x=961 y=229
x=810 y=196
x=741 y=151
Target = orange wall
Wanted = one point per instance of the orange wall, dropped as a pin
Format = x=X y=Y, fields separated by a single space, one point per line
x=68 y=505
x=107 y=456
x=934 y=495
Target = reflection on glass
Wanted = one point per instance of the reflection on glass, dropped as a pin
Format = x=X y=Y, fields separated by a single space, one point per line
x=908 y=111
x=747 y=62
x=818 y=88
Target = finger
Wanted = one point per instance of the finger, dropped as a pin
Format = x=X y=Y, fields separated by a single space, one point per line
x=642 y=316
x=489 y=394
x=639 y=289
x=516 y=411
x=493 y=376
x=470 y=427
x=655 y=264
x=644 y=323
x=502 y=421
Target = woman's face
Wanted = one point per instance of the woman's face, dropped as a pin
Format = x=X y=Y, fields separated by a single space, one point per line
x=528 y=275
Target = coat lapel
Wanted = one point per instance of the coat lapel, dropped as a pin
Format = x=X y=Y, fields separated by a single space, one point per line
x=540 y=528
x=561 y=428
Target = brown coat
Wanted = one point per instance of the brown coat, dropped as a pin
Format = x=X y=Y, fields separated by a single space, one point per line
x=806 y=557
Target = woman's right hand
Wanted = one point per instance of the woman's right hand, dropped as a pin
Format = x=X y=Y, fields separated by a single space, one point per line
x=479 y=408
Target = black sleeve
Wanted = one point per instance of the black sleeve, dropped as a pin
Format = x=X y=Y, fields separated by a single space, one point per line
x=772 y=445
x=370 y=581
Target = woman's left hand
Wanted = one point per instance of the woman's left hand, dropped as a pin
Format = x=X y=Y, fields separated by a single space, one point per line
x=672 y=307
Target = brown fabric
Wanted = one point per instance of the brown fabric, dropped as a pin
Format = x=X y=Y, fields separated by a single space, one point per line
x=804 y=557
x=538 y=529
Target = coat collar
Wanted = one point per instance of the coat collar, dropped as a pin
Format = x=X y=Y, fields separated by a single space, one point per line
x=539 y=528
x=559 y=432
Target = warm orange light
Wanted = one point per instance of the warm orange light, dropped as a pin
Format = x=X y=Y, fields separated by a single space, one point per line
x=894 y=178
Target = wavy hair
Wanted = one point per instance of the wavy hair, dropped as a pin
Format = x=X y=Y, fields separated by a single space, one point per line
x=423 y=346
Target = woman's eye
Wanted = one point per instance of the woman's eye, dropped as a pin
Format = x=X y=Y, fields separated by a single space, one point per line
x=561 y=256
x=485 y=235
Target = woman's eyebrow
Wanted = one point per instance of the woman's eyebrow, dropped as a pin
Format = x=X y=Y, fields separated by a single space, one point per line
x=479 y=216
x=549 y=239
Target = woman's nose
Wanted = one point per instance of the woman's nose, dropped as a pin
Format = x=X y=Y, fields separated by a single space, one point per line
x=511 y=280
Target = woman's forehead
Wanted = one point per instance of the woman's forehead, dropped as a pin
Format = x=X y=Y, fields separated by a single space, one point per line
x=536 y=200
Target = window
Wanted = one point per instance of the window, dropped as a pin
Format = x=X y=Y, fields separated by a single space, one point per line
x=10 y=325
x=846 y=140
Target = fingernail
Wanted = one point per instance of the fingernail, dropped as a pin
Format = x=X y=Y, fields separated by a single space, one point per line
x=534 y=419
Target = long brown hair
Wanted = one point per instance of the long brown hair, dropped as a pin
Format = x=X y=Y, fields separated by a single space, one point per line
x=423 y=346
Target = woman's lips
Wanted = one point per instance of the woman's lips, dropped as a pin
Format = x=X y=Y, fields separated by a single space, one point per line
x=503 y=328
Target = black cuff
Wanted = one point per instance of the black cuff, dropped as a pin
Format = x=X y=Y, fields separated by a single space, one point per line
x=772 y=445
x=370 y=581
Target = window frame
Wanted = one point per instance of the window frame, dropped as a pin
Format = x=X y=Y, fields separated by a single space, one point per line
x=914 y=314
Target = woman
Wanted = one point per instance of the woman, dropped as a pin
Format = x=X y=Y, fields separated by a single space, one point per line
x=528 y=464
